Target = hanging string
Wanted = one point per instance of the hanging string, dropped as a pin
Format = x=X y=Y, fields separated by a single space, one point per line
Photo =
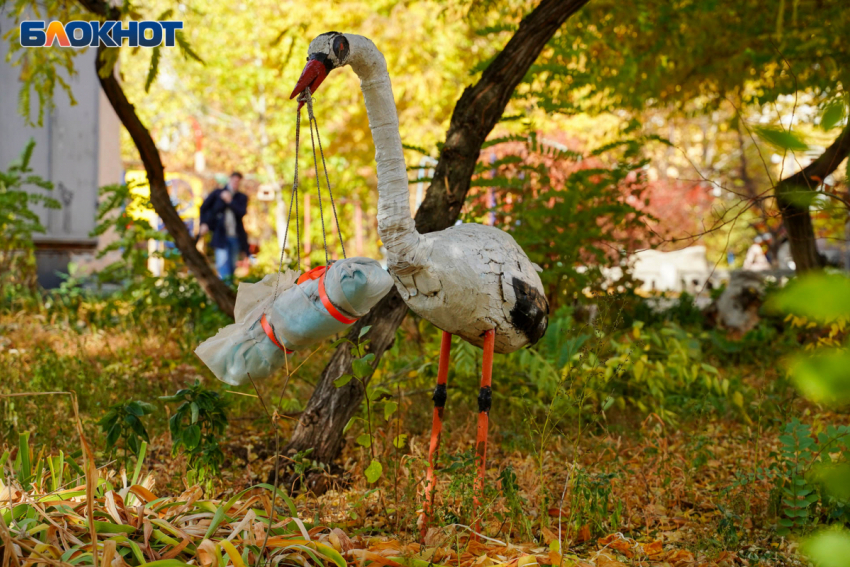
x=308 y=99
x=319 y=189
x=292 y=200
x=327 y=181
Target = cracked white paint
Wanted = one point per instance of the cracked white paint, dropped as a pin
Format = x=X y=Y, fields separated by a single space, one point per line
x=461 y=279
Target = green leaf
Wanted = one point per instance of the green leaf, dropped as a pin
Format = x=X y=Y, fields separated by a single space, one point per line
x=833 y=114
x=111 y=528
x=365 y=440
x=134 y=408
x=133 y=444
x=343 y=380
x=186 y=48
x=167 y=563
x=332 y=554
x=374 y=471
x=282 y=493
x=192 y=436
x=363 y=331
x=195 y=411
x=822 y=297
x=136 y=425
x=112 y=436
x=110 y=58
x=782 y=139
x=389 y=409
x=828 y=548
x=836 y=479
x=418 y=149
x=338 y=342
x=361 y=368
x=141 y=458
x=220 y=513
x=147 y=408
x=107 y=420
x=24 y=466
x=824 y=377
x=175 y=398
x=153 y=70
x=400 y=441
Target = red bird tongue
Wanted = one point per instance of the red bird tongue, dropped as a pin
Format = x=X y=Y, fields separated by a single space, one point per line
x=312 y=76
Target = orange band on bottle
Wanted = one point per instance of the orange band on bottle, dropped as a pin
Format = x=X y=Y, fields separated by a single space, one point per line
x=267 y=327
x=319 y=274
x=330 y=306
x=313 y=274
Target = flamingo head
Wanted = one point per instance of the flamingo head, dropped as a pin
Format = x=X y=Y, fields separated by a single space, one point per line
x=328 y=51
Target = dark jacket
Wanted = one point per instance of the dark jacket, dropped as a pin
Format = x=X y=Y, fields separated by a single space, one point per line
x=212 y=215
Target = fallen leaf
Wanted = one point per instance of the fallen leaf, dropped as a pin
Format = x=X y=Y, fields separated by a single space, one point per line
x=652 y=549
x=605 y=560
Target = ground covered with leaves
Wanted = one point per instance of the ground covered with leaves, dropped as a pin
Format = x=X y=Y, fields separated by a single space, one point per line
x=712 y=470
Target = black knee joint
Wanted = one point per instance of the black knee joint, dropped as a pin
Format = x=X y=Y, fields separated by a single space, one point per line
x=485 y=399
x=440 y=396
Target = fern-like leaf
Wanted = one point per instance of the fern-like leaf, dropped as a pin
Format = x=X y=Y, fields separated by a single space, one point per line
x=186 y=49
x=153 y=70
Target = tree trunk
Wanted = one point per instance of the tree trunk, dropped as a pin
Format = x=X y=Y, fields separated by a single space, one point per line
x=795 y=215
x=476 y=113
x=197 y=263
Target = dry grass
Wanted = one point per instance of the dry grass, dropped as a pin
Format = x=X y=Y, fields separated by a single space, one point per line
x=635 y=492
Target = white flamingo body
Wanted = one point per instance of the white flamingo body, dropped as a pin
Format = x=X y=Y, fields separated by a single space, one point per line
x=474 y=279
x=466 y=279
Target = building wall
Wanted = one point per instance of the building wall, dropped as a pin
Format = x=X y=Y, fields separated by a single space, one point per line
x=77 y=148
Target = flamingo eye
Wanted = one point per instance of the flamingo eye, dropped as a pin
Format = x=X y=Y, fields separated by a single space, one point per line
x=340 y=47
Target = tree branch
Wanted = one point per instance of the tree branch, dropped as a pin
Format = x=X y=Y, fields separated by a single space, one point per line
x=197 y=263
x=479 y=110
x=796 y=217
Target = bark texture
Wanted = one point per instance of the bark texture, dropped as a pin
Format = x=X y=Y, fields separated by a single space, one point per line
x=795 y=215
x=479 y=109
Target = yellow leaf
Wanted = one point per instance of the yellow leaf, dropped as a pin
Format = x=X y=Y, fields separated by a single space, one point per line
x=235 y=558
x=638 y=369
x=738 y=399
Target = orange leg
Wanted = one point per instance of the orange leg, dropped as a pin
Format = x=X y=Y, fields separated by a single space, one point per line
x=484 y=400
x=440 y=396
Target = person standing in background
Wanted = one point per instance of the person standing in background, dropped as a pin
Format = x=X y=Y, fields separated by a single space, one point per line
x=756 y=261
x=221 y=213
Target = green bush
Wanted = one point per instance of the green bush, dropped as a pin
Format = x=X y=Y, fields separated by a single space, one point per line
x=196 y=429
x=123 y=424
x=18 y=224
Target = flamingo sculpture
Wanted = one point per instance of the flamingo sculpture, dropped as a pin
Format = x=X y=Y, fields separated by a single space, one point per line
x=469 y=280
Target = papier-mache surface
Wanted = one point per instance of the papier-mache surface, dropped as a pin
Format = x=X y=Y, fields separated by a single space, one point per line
x=298 y=317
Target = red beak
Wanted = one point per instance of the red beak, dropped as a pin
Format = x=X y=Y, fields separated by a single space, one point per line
x=312 y=76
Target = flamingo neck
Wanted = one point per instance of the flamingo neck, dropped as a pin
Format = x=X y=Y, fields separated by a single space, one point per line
x=395 y=225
